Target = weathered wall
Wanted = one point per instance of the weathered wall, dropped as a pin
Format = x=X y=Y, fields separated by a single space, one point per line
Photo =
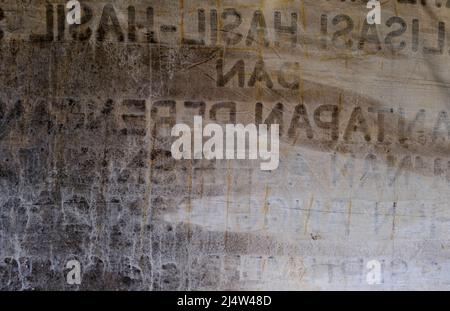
x=86 y=171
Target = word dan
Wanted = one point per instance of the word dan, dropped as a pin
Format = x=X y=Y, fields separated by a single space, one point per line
x=235 y=143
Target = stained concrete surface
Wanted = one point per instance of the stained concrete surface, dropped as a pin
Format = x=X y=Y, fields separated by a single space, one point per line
x=86 y=171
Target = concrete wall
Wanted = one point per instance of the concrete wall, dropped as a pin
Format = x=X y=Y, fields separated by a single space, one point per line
x=86 y=171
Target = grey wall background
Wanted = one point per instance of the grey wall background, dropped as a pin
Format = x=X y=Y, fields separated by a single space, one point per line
x=86 y=171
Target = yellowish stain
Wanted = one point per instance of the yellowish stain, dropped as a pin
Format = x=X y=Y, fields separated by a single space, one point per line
x=308 y=214
x=228 y=197
x=394 y=219
x=189 y=205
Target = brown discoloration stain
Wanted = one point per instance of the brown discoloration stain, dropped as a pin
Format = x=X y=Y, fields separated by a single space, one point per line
x=71 y=182
x=265 y=209
x=308 y=214
x=349 y=217
x=394 y=215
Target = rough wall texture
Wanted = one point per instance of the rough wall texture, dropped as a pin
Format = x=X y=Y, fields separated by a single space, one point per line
x=86 y=171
